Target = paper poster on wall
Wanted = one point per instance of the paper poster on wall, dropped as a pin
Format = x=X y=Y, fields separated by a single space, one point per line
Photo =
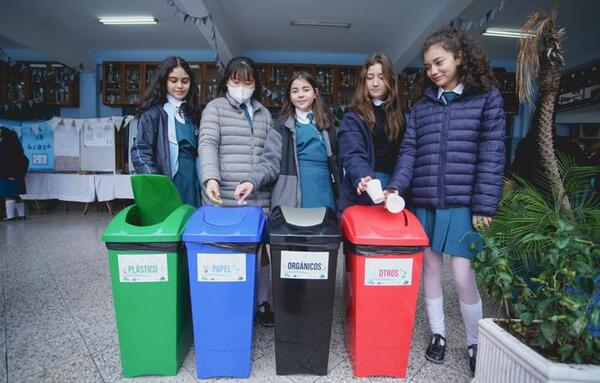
x=66 y=141
x=37 y=140
x=98 y=134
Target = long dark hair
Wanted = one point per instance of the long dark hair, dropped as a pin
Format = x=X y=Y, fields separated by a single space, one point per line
x=363 y=105
x=242 y=68
x=474 y=70
x=156 y=94
x=321 y=116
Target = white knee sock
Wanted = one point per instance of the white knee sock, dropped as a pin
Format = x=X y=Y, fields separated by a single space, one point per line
x=10 y=208
x=263 y=284
x=21 y=209
x=435 y=314
x=471 y=315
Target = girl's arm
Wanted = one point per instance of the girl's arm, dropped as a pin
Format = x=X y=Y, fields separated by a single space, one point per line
x=266 y=170
x=353 y=151
x=143 y=151
x=490 y=157
x=208 y=146
x=403 y=171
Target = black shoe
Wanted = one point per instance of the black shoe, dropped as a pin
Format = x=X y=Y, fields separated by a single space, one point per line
x=264 y=315
x=436 y=350
x=472 y=352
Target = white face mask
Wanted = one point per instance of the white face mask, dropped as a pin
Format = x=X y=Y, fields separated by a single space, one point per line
x=240 y=93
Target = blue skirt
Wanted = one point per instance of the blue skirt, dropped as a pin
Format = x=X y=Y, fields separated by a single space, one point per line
x=8 y=188
x=450 y=230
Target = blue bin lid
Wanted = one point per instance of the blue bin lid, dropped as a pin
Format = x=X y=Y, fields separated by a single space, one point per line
x=211 y=224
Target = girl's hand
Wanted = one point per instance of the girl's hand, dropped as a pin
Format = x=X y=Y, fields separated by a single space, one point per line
x=362 y=185
x=243 y=191
x=481 y=222
x=212 y=190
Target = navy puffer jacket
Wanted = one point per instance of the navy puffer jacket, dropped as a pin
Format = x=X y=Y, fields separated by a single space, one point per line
x=454 y=154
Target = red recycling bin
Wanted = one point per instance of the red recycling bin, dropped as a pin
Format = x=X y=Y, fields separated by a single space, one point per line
x=384 y=255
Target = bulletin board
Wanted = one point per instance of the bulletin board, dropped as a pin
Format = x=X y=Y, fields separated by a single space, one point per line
x=66 y=148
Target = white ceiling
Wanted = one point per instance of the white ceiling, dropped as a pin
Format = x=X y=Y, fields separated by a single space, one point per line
x=68 y=30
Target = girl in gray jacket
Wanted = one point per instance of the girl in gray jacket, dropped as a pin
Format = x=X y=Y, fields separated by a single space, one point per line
x=233 y=131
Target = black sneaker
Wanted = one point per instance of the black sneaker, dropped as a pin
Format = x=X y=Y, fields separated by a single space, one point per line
x=264 y=315
x=472 y=352
x=436 y=350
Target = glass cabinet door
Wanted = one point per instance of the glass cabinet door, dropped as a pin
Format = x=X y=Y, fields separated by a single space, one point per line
x=133 y=83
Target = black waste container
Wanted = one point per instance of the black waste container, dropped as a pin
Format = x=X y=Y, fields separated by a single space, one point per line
x=304 y=248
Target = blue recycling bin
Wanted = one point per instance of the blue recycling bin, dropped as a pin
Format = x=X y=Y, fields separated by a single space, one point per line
x=223 y=255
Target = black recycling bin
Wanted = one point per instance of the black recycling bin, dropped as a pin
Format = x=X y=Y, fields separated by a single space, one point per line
x=304 y=248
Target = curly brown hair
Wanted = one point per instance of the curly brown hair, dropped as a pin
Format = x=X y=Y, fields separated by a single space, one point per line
x=363 y=105
x=474 y=70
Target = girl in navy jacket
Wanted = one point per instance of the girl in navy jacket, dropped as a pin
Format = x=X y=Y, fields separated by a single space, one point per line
x=453 y=157
x=370 y=135
x=167 y=131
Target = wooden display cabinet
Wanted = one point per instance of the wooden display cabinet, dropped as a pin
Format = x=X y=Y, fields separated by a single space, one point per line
x=47 y=83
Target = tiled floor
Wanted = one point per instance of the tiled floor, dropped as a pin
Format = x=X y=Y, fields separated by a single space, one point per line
x=57 y=319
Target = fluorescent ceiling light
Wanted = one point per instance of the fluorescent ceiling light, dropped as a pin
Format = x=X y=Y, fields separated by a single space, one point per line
x=499 y=32
x=329 y=24
x=128 y=20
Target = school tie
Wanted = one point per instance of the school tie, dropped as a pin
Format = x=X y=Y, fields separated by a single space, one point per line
x=449 y=96
x=244 y=107
x=310 y=118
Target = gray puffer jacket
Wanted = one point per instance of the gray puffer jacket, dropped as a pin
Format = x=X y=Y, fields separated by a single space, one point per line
x=229 y=149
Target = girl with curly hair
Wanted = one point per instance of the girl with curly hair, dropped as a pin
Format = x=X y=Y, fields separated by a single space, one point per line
x=453 y=157
x=167 y=130
x=370 y=135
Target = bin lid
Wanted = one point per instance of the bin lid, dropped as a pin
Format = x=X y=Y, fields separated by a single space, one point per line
x=312 y=227
x=155 y=196
x=373 y=225
x=126 y=227
x=213 y=224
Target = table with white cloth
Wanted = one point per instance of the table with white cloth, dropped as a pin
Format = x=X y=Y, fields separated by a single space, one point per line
x=69 y=187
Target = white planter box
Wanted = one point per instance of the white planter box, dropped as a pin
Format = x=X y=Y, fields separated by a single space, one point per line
x=502 y=358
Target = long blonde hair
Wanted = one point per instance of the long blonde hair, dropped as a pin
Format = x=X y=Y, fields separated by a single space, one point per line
x=363 y=105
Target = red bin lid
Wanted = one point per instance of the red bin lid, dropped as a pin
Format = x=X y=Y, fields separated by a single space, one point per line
x=373 y=225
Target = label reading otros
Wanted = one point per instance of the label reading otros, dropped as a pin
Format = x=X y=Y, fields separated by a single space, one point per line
x=388 y=272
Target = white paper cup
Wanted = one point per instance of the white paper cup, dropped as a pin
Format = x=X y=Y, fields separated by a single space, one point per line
x=375 y=192
x=394 y=203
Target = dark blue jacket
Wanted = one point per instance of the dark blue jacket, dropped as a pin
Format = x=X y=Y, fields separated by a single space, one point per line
x=150 y=150
x=454 y=154
x=358 y=158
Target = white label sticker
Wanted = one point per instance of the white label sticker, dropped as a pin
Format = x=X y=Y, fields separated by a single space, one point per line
x=388 y=272
x=221 y=267
x=143 y=268
x=40 y=159
x=304 y=264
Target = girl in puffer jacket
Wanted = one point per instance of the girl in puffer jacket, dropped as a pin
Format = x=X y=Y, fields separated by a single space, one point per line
x=453 y=158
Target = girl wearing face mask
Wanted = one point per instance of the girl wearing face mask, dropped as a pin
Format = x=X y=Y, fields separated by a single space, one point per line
x=167 y=132
x=233 y=132
x=370 y=135
x=301 y=152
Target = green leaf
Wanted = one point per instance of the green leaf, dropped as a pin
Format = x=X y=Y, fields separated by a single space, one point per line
x=579 y=325
x=563 y=242
x=527 y=318
x=549 y=331
x=565 y=351
x=534 y=237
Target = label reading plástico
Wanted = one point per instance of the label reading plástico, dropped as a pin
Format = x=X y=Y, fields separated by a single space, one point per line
x=388 y=272
x=304 y=264
x=221 y=267
x=143 y=268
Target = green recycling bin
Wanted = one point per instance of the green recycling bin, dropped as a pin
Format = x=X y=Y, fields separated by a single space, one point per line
x=149 y=278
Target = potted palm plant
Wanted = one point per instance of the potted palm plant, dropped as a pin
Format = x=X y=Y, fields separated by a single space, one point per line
x=541 y=256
